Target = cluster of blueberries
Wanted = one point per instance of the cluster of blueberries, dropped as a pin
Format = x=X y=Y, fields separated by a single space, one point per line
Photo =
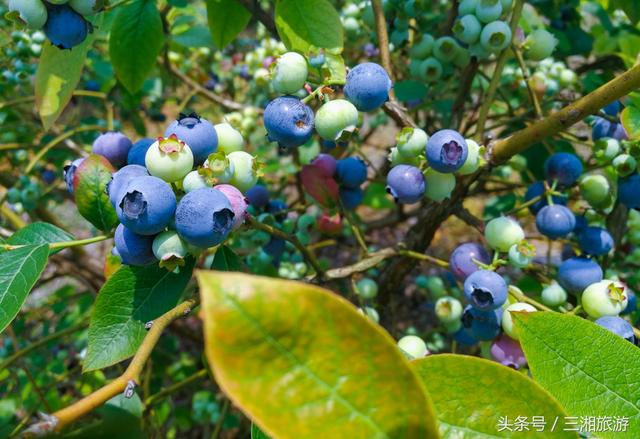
x=487 y=317
x=175 y=194
x=63 y=21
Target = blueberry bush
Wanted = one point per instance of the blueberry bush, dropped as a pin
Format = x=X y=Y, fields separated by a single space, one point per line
x=319 y=218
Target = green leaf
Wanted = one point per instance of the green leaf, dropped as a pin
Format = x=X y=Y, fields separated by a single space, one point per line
x=410 y=90
x=630 y=118
x=591 y=371
x=327 y=370
x=336 y=70
x=196 y=36
x=376 y=196
x=471 y=395
x=302 y=24
x=90 y=183
x=40 y=233
x=226 y=260
x=135 y=42
x=256 y=433
x=19 y=271
x=227 y=18
x=58 y=75
x=130 y=298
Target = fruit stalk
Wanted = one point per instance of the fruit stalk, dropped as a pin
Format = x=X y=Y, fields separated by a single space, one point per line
x=618 y=87
x=87 y=404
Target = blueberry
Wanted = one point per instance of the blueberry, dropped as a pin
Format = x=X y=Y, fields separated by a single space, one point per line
x=461 y=261
x=138 y=151
x=482 y=325
x=446 y=151
x=413 y=346
x=132 y=248
x=485 y=290
x=326 y=163
x=290 y=73
x=445 y=49
x=86 y=7
x=351 y=172
x=448 y=309
x=507 y=320
x=70 y=172
x=577 y=273
x=535 y=190
x=553 y=295
x=508 y=352
x=604 y=298
x=495 y=36
x=467 y=29
x=488 y=10
x=618 y=326
x=335 y=118
x=169 y=159
x=563 y=167
x=613 y=108
x=238 y=202
x=196 y=132
x=114 y=146
x=278 y=209
x=629 y=191
x=463 y=337
x=288 y=121
x=65 y=28
x=275 y=248
x=245 y=170
x=121 y=179
x=48 y=176
x=229 y=139
x=603 y=128
x=406 y=184
x=596 y=190
x=170 y=249
x=540 y=44
x=632 y=303
x=258 y=196
x=32 y=13
x=503 y=232
x=351 y=197
x=204 y=217
x=595 y=241
x=146 y=205
x=555 y=221
x=367 y=86
x=438 y=185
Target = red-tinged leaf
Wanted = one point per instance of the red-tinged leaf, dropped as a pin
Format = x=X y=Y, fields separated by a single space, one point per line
x=90 y=182
x=321 y=187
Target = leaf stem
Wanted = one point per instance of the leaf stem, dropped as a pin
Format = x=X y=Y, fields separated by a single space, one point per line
x=62 y=244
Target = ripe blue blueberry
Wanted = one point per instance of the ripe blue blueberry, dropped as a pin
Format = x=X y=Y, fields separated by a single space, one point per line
x=65 y=28
x=613 y=108
x=138 y=151
x=406 y=184
x=577 y=273
x=485 y=290
x=288 y=121
x=114 y=146
x=629 y=191
x=196 y=132
x=146 y=205
x=537 y=189
x=70 y=172
x=462 y=260
x=446 y=151
x=278 y=209
x=121 y=179
x=275 y=248
x=555 y=221
x=595 y=241
x=367 y=86
x=563 y=167
x=618 y=326
x=351 y=172
x=603 y=128
x=351 y=197
x=132 y=248
x=482 y=325
x=258 y=196
x=204 y=217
